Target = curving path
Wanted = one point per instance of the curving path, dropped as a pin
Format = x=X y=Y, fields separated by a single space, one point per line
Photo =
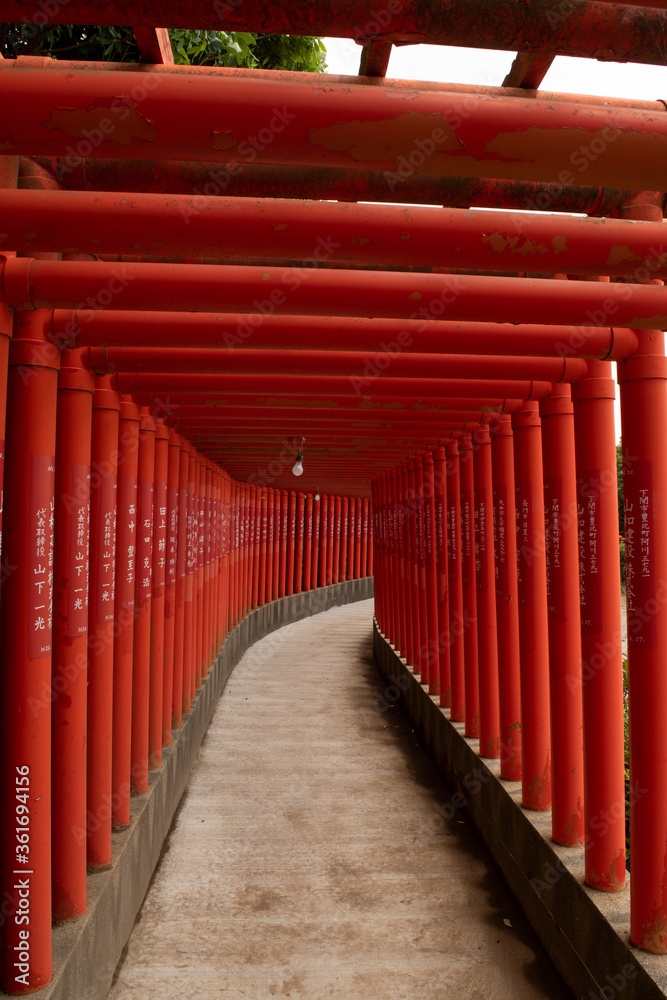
x=309 y=859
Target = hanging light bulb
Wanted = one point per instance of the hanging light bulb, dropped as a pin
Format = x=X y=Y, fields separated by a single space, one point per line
x=297 y=468
x=317 y=494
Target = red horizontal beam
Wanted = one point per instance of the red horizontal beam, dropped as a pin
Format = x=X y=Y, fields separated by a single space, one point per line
x=292 y=385
x=359 y=367
x=93 y=286
x=269 y=229
x=233 y=331
x=594 y=29
x=375 y=127
x=294 y=181
x=240 y=403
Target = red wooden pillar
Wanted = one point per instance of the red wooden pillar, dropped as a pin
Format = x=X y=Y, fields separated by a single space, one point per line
x=208 y=567
x=533 y=619
x=160 y=527
x=387 y=545
x=201 y=560
x=507 y=610
x=291 y=543
x=299 y=547
x=277 y=501
x=457 y=622
x=126 y=542
x=487 y=632
x=560 y=505
x=173 y=459
x=335 y=570
x=430 y=549
x=344 y=527
x=402 y=580
x=365 y=536
x=324 y=539
x=643 y=381
x=181 y=572
x=442 y=582
x=417 y=610
x=25 y=733
x=600 y=609
x=189 y=617
x=270 y=517
x=263 y=537
x=351 y=532
x=256 y=509
x=70 y=636
x=225 y=549
x=308 y=541
x=142 y=604
x=469 y=583
x=103 y=488
x=331 y=537
x=282 y=549
x=359 y=527
x=412 y=609
x=315 y=552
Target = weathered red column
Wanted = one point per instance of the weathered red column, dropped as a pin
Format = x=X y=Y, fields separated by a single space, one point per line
x=308 y=542
x=643 y=381
x=256 y=511
x=365 y=536
x=507 y=608
x=352 y=529
x=159 y=567
x=411 y=615
x=442 y=581
x=324 y=540
x=102 y=554
x=270 y=593
x=282 y=548
x=276 y=543
x=345 y=524
x=142 y=608
x=357 y=538
x=291 y=543
x=173 y=459
x=25 y=637
x=487 y=630
x=189 y=618
x=533 y=619
x=335 y=571
x=299 y=547
x=431 y=558
x=416 y=611
x=209 y=569
x=315 y=554
x=331 y=536
x=600 y=604
x=181 y=570
x=469 y=590
x=126 y=541
x=263 y=537
x=562 y=551
x=70 y=636
x=200 y=545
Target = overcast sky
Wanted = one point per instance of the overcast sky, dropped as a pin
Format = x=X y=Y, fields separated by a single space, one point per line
x=488 y=68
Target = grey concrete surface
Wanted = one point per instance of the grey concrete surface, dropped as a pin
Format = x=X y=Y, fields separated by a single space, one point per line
x=586 y=933
x=86 y=951
x=318 y=855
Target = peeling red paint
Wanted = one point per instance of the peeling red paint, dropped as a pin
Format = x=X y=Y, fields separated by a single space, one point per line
x=501 y=243
x=381 y=141
x=116 y=123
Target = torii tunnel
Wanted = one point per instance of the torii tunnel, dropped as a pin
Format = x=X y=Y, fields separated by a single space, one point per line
x=206 y=273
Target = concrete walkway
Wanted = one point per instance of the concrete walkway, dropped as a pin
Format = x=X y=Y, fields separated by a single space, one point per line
x=309 y=859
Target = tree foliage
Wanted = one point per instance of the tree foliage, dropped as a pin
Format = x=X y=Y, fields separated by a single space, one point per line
x=197 y=48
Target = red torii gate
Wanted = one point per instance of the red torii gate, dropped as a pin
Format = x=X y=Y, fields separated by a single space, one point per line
x=326 y=307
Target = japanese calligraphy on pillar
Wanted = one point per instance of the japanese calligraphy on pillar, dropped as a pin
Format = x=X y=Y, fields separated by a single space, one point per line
x=77 y=584
x=160 y=534
x=467 y=535
x=480 y=539
x=553 y=530
x=127 y=548
x=106 y=548
x=145 y=542
x=640 y=584
x=452 y=539
x=588 y=521
x=172 y=536
x=525 y=543
x=500 y=528
x=40 y=557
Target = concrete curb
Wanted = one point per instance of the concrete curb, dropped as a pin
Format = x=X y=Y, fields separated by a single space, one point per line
x=86 y=951
x=586 y=933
